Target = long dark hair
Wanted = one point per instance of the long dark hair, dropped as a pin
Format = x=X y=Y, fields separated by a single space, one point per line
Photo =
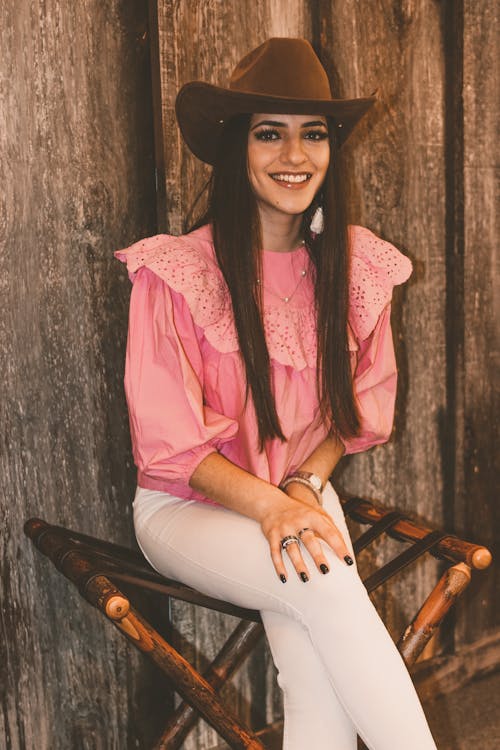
x=232 y=210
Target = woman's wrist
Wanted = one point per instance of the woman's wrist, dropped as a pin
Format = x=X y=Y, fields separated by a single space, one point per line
x=301 y=493
x=312 y=482
x=231 y=486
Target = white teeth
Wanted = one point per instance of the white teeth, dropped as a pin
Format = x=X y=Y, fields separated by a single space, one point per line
x=291 y=177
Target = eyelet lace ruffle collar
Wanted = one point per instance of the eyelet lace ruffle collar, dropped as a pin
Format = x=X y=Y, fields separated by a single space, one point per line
x=376 y=268
x=188 y=265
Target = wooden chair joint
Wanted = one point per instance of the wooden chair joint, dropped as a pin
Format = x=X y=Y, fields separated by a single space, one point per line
x=404 y=559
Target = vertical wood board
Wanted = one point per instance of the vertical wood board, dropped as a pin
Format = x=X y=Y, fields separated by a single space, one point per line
x=77 y=159
x=477 y=508
x=395 y=162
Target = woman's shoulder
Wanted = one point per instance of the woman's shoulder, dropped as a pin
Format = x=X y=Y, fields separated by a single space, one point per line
x=187 y=265
x=187 y=262
x=376 y=267
x=170 y=255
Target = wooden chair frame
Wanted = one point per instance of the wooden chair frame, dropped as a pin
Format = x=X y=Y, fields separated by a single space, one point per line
x=97 y=568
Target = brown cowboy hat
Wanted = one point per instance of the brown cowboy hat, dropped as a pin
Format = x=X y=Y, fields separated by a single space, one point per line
x=282 y=76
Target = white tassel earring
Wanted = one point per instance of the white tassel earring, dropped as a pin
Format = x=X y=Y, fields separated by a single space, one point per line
x=317 y=222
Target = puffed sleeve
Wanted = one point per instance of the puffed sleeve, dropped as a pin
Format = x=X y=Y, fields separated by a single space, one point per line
x=377 y=266
x=172 y=429
x=375 y=380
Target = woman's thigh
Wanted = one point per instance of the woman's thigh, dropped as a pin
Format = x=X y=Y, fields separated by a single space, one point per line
x=225 y=554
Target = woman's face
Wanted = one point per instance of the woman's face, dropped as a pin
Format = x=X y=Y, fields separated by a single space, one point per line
x=288 y=156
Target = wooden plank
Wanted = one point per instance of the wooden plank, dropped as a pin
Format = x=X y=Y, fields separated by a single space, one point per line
x=77 y=156
x=396 y=168
x=470 y=435
x=477 y=505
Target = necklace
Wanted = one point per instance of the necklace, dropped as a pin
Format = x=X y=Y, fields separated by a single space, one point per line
x=286 y=299
x=303 y=273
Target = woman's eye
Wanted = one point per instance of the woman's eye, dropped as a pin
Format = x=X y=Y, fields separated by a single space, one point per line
x=316 y=135
x=267 y=135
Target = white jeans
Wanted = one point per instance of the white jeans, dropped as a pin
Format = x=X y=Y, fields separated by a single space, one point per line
x=340 y=671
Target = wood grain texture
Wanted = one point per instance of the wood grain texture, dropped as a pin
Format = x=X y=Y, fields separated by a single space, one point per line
x=76 y=162
x=396 y=173
x=477 y=507
x=77 y=168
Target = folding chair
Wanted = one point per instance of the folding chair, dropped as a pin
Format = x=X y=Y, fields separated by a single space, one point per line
x=98 y=568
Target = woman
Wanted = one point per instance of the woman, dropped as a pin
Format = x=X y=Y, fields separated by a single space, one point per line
x=260 y=352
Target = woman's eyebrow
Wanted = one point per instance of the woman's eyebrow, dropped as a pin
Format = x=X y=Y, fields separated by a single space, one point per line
x=273 y=124
x=313 y=123
x=276 y=124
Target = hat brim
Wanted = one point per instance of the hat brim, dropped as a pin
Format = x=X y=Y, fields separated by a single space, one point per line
x=201 y=109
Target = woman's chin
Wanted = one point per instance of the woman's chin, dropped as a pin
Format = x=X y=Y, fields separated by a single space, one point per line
x=291 y=207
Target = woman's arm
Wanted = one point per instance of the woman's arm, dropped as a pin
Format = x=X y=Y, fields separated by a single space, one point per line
x=278 y=514
x=321 y=462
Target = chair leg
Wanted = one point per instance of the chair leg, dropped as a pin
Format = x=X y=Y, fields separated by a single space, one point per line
x=429 y=617
x=239 y=644
x=101 y=592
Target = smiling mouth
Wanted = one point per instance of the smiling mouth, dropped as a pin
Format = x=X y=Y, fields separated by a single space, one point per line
x=289 y=178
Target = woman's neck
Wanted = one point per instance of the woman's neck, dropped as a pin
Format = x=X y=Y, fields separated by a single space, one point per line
x=282 y=233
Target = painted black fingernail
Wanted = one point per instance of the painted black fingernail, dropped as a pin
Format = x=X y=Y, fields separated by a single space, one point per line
x=282 y=578
x=348 y=559
x=304 y=577
x=324 y=568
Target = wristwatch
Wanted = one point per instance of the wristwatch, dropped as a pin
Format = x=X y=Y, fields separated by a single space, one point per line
x=314 y=479
x=308 y=479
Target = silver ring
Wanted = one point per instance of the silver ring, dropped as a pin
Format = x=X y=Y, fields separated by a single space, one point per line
x=291 y=539
x=303 y=531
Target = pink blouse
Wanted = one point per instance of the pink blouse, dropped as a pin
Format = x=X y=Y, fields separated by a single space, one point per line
x=184 y=376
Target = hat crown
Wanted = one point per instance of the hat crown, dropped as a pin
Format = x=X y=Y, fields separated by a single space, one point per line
x=282 y=67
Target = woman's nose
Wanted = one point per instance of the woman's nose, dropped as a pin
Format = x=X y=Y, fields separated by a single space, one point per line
x=293 y=150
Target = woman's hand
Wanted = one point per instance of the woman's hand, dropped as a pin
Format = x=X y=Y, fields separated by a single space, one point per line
x=279 y=514
x=299 y=515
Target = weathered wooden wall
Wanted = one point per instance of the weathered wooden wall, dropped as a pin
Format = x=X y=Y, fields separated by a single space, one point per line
x=77 y=175
x=77 y=166
x=418 y=168
x=477 y=458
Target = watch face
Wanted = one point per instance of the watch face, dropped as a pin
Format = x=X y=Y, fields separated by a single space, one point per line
x=315 y=481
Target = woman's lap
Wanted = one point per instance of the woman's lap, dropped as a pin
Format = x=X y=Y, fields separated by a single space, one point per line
x=226 y=555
